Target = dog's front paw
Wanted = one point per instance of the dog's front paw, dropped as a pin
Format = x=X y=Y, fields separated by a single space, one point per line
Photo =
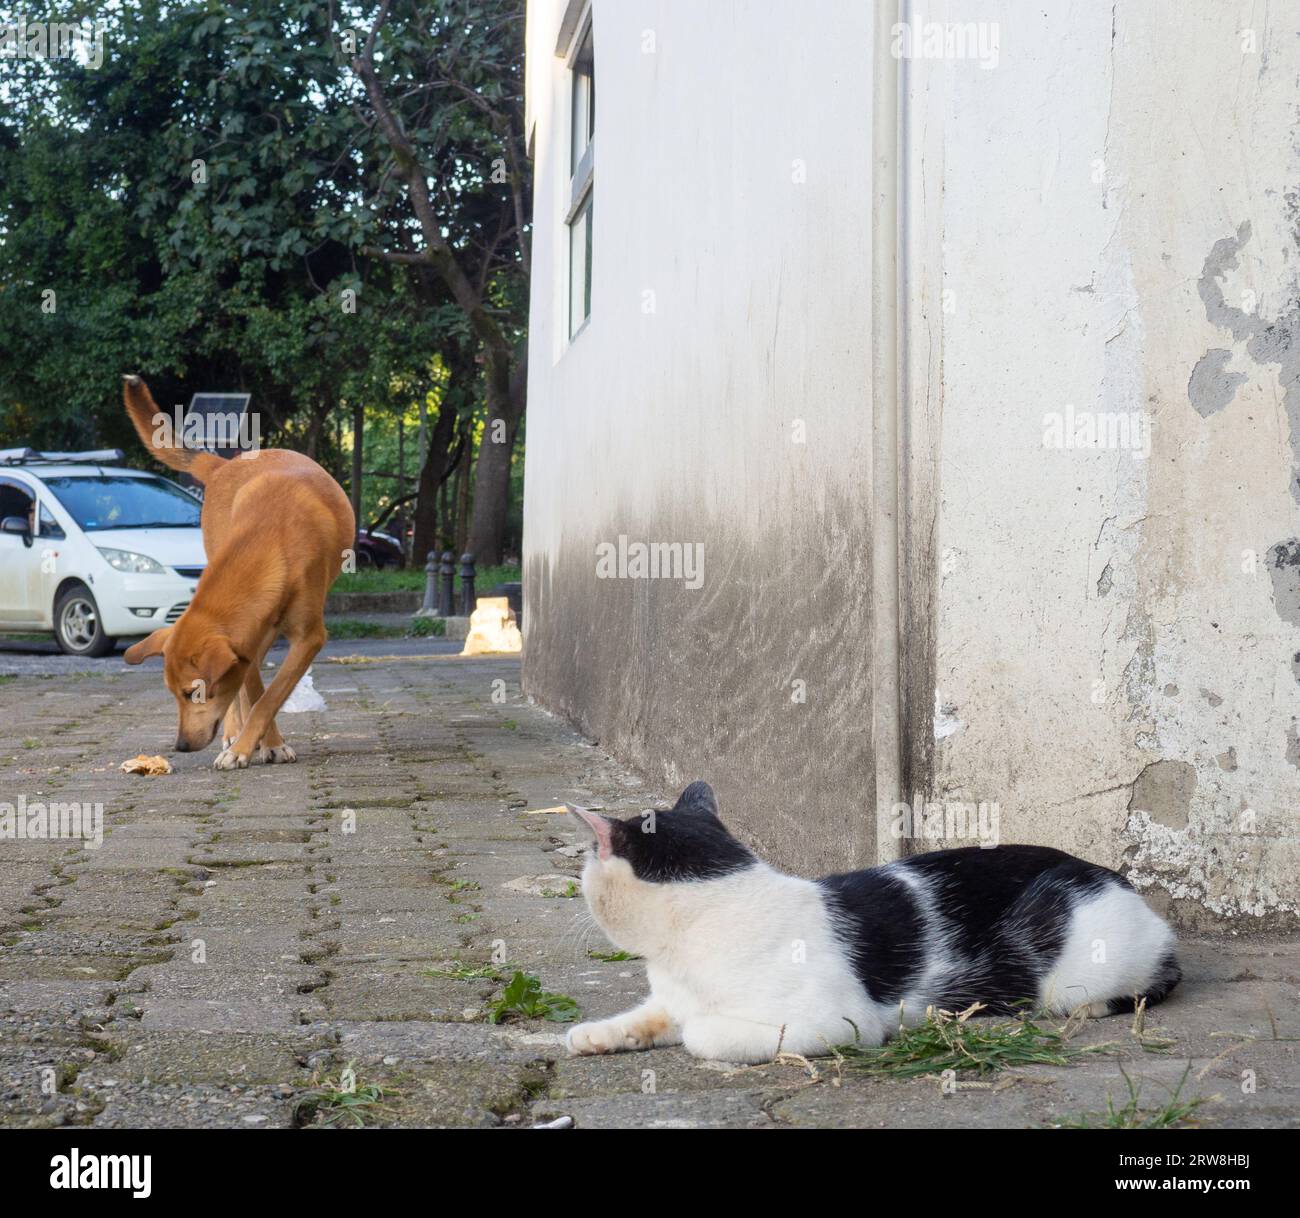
x=281 y=753
x=228 y=759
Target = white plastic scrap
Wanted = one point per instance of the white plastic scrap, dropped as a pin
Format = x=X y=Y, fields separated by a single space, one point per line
x=303 y=698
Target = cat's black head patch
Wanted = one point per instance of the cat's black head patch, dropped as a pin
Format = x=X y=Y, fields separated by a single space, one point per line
x=688 y=842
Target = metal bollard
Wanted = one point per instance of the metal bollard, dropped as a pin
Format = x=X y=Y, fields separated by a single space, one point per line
x=448 y=573
x=430 y=584
x=466 y=584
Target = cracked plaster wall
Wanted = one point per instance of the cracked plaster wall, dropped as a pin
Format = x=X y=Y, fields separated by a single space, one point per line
x=1119 y=631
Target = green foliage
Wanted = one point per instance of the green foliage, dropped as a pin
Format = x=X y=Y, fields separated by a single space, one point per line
x=944 y=1041
x=1176 y=1111
x=524 y=998
x=412 y=579
x=459 y=971
x=201 y=207
x=342 y=1099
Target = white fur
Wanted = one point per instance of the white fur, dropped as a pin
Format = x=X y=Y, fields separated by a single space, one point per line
x=748 y=965
x=1112 y=950
x=741 y=967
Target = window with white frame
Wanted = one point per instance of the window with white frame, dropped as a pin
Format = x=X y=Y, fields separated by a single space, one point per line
x=582 y=148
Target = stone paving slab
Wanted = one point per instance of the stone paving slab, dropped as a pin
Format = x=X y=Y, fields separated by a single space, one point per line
x=242 y=942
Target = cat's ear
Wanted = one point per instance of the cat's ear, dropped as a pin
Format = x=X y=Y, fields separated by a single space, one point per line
x=600 y=827
x=698 y=797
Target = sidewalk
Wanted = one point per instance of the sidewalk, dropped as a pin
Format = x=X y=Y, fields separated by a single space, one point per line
x=235 y=945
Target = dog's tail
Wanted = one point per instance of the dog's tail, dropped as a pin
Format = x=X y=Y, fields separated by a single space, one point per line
x=157 y=432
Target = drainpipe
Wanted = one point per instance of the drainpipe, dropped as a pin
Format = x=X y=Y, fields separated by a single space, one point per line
x=886 y=409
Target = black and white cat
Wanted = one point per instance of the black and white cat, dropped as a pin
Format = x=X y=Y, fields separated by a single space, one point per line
x=744 y=961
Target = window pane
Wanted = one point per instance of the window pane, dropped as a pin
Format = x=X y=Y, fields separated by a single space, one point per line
x=584 y=102
x=580 y=268
x=582 y=99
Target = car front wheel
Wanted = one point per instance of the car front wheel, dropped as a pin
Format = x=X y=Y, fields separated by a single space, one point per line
x=77 y=626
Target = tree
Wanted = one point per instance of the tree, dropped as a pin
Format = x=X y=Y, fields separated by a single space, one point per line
x=448 y=105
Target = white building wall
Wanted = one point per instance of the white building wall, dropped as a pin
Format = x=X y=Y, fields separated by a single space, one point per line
x=1101 y=223
x=730 y=304
x=1116 y=630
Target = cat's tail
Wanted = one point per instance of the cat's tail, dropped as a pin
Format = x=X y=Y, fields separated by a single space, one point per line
x=1168 y=975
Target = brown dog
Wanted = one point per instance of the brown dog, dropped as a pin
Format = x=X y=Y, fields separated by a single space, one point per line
x=276 y=528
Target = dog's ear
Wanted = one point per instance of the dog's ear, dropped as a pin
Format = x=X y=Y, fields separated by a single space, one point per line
x=147 y=648
x=215 y=658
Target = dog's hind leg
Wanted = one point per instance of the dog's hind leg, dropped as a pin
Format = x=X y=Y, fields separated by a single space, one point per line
x=301 y=653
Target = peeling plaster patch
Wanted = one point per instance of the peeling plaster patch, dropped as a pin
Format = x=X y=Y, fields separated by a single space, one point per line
x=1293 y=746
x=1211 y=697
x=1171 y=691
x=1284 y=571
x=1225 y=875
x=1228 y=761
x=946 y=722
x=1221 y=259
x=1164 y=791
x=1268 y=342
x=1105 y=581
x=1211 y=387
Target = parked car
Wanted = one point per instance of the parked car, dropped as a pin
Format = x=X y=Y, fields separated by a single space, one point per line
x=379 y=550
x=92 y=551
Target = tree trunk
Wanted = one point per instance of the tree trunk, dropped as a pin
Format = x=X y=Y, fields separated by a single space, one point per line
x=315 y=425
x=433 y=473
x=505 y=399
x=358 y=431
x=462 y=501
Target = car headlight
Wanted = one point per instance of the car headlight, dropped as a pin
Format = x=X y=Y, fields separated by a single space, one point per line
x=129 y=560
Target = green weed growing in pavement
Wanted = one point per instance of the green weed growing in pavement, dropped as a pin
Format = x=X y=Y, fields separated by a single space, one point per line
x=524 y=998
x=460 y=971
x=612 y=957
x=342 y=1099
x=1174 y=1112
x=947 y=1041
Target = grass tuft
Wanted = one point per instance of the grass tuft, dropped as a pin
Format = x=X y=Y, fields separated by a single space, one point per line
x=459 y=971
x=341 y=1099
x=1174 y=1112
x=948 y=1041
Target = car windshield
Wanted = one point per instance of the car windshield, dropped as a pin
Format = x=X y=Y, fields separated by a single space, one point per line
x=112 y=501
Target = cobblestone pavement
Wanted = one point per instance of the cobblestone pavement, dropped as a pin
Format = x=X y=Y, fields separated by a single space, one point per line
x=242 y=941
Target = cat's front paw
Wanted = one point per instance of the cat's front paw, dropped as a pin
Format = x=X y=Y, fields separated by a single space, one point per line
x=585 y=1039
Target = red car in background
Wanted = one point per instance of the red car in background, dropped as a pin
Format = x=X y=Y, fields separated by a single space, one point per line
x=379 y=551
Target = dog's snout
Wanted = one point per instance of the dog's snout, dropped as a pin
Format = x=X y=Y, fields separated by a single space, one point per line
x=182 y=745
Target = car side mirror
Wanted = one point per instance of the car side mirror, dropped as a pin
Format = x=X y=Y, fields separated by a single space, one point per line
x=17 y=524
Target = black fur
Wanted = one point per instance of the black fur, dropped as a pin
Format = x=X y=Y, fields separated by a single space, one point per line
x=1165 y=980
x=687 y=843
x=1003 y=914
x=881 y=929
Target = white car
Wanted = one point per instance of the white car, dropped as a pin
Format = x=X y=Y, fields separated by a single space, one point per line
x=92 y=551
